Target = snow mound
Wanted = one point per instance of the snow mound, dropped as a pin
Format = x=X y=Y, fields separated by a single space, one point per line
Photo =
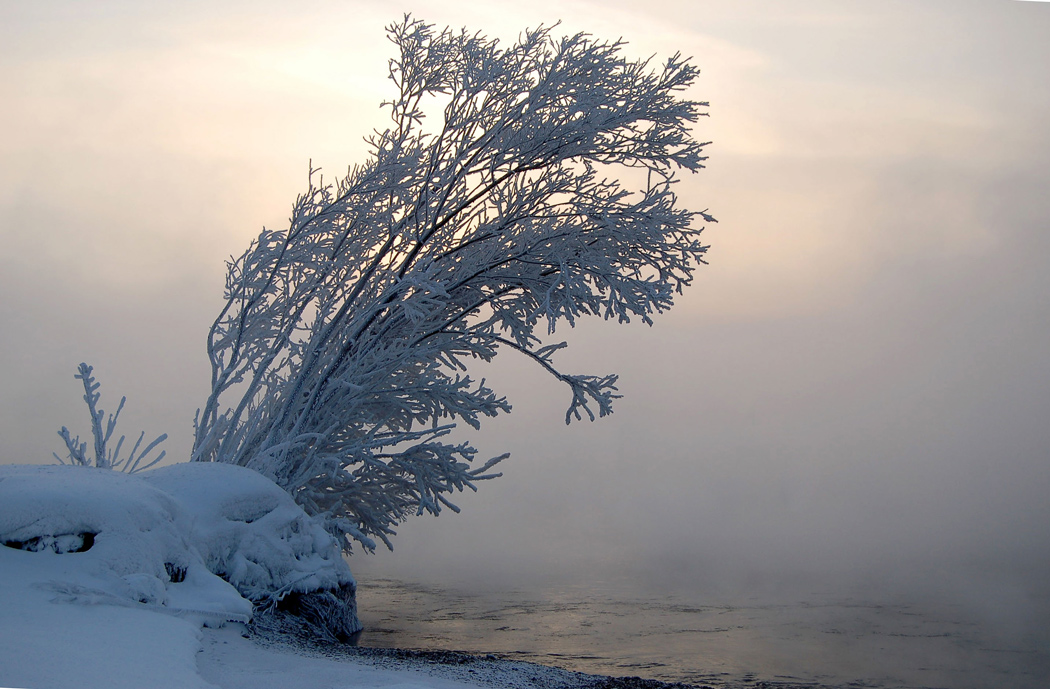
x=201 y=540
x=251 y=533
x=121 y=534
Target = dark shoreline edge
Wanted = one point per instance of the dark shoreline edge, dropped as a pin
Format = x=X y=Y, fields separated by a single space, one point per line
x=485 y=670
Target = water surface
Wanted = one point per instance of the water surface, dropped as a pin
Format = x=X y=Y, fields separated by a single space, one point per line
x=604 y=629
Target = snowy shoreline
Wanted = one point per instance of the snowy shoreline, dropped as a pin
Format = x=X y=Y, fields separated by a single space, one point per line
x=181 y=578
x=278 y=650
x=234 y=658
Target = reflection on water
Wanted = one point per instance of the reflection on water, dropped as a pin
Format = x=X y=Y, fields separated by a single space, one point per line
x=600 y=630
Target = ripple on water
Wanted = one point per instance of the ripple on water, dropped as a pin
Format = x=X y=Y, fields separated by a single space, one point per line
x=609 y=632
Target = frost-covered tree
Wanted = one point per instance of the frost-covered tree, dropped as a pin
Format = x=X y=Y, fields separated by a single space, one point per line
x=338 y=360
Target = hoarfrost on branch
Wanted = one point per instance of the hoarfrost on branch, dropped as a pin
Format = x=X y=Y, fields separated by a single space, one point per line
x=106 y=457
x=339 y=359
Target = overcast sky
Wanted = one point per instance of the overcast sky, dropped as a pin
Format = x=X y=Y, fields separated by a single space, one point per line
x=858 y=385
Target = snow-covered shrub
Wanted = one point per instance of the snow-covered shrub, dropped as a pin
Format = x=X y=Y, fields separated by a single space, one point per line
x=338 y=360
x=106 y=457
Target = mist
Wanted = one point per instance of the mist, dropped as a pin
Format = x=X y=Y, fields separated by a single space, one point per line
x=853 y=396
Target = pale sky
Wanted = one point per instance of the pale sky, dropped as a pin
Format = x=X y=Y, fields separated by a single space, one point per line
x=858 y=384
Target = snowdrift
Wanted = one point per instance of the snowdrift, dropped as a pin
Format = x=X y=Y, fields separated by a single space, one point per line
x=208 y=542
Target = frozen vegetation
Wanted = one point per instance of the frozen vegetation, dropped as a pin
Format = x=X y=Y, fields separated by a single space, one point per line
x=517 y=188
x=339 y=360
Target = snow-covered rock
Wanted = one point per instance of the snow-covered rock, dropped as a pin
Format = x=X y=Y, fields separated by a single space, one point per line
x=252 y=534
x=205 y=541
x=118 y=538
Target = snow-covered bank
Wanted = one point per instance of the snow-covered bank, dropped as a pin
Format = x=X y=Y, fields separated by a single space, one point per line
x=48 y=641
x=52 y=638
x=111 y=581
x=123 y=582
x=106 y=579
x=230 y=660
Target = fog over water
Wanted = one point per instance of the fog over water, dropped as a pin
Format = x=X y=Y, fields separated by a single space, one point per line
x=853 y=396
